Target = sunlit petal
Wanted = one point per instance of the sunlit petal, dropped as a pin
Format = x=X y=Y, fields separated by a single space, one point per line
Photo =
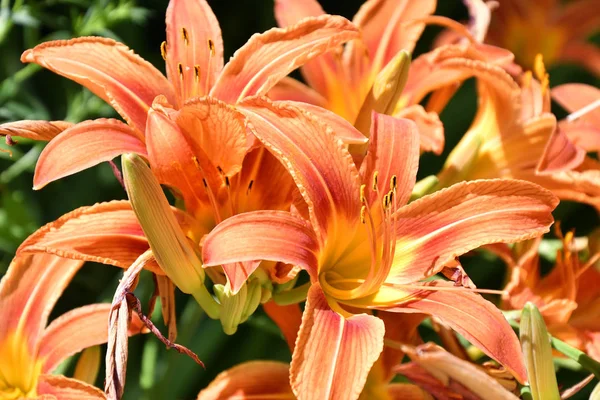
x=63 y=388
x=33 y=129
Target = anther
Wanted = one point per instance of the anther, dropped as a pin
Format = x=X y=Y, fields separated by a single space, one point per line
x=163 y=50
x=220 y=169
x=184 y=35
x=196 y=163
x=211 y=46
x=386 y=201
x=180 y=69
x=393 y=182
x=375 y=176
x=204 y=182
x=227 y=181
x=250 y=186
x=363 y=199
x=363 y=212
x=197 y=72
x=391 y=196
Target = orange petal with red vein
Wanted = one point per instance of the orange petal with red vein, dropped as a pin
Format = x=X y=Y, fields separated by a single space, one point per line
x=28 y=292
x=194 y=42
x=262 y=235
x=33 y=129
x=333 y=354
x=84 y=145
x=63 y=388
x=437 y=228
x=218 y=129
x=76 y=330
x=107 y=233
x=288 y=319
x=387 y=28
x=431 y=129
x=266 y=58
x=394 y=154
x=109 y=69
x=560 y=154
x=251 y=380
x=320 y=165
x=478 y=320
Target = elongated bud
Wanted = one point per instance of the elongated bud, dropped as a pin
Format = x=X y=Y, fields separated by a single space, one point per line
x=170 y=247
x=88 y=365
x=537 y=350
x=386 y=91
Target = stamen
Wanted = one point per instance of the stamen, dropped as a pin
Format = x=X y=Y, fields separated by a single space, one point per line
x=209 y=192
x=180 y=69
x=446 y=288
x=197 y=72
x=249 y=187
x=184 y=35
x=363 y=199
x=375 y=176
x=363 y=212
x=220 y=169
x=211 y=46
x=163 y=50
x=393 y=182
x=204 y=182
x=227 y=181
x=386 y=201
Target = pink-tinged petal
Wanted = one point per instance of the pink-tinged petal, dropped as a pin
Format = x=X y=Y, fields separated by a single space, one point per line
x=333 y=354
x=406 y=391
x=320 y=165
x=394 y=154
x=290 y=12
x=194 y=48
x=582 y=134
x=266 y=58
x=76 y=330
x=582 y=53
x=109 y=69
x=32 y=129
x=251 y=380
x=342 y=129
x=291 y=89
x=575 y=96
x=63 y=388
x=288 y=319
x=578 y=19
x=440 y=227
x=107 y=233
x=431 y=129
x=84 y=145
x=478 y=320
x=238 y=273
x=387 y=26
x=218 y=129
x=560 y=154
x=262 y=235
x=28 y=292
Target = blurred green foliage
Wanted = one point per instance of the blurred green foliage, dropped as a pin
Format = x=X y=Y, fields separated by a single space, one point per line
x=28 y=92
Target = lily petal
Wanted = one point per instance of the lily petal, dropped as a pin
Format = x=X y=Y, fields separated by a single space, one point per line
x=262 y=235
x=560 y=154
x=320 y=165
x=33 y=129
x=333 y=354
x=76 y=330
x=394 y=154
x=406 y=391
x=388 y=27
x=194 y=42
x=290 y=12
x=266 y=58
x=109 y=69
x=290 y=89
x=478 y=320
x=288 y=319
x=84 y=145
x=437 y=228
x=575 y=96
x=107 y=233
x=63 y=388
x=28 y=292
x=250 y=380
x=431 y=129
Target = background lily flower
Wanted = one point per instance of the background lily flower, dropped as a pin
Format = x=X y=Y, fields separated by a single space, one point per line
x=30 y=350
x=194 y=56
x=363 y=249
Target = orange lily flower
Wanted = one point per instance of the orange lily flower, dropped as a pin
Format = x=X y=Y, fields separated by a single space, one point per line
x=514 y=135
x=194 y=59
x=30 y=350
x=567 y=297
x=363 y=250
x=557 y=30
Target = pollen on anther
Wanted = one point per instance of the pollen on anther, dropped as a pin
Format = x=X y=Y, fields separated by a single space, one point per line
x=196 y=163
x=386 y=201
x=363 y=212
x=375 y=178
x=393 y=182
x=211 y=47
x=197 y=72
x=163 y=50
x=184 y=35
x=363 y=199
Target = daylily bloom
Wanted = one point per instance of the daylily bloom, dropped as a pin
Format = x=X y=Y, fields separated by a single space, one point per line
x=567 y=297
x=342 y=82
x=514 y=135
x=194 y=59
x=30 y=350
x=363 y=250
x=557 y=30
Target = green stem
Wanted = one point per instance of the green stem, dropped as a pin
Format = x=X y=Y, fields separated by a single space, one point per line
x=292 y=296
x=208 y=303
x=575 y=354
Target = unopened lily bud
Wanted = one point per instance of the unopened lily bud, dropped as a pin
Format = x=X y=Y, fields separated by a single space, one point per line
x=385 y=92
x=236 y=308
x=537 y=351
x=171 y=248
